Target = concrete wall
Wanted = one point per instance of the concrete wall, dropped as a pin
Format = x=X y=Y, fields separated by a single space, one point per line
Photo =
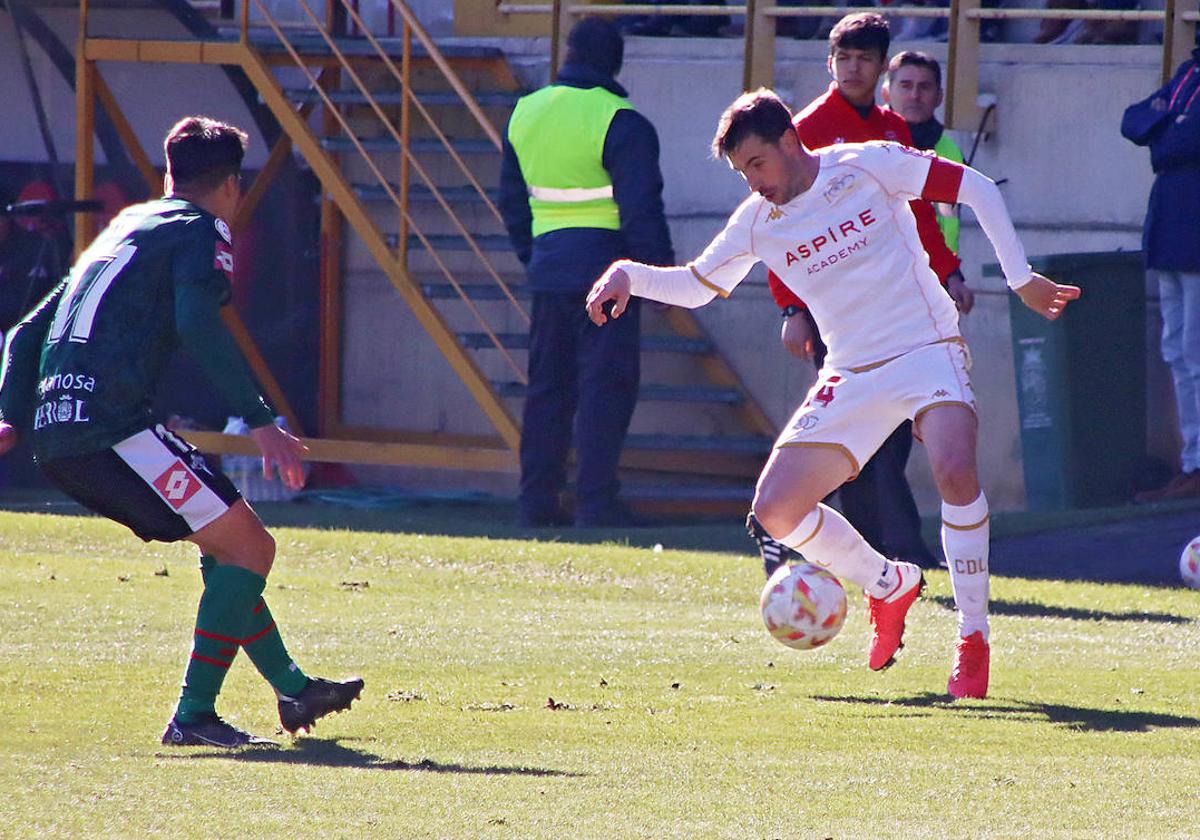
x=1072 y=184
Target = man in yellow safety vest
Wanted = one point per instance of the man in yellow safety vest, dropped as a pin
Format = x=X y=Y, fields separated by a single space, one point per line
x=580 y=187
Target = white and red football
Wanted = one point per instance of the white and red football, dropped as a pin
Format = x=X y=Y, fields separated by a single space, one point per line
x=803 y=606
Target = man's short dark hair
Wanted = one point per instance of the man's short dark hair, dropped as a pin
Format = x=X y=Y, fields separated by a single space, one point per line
x=597 y=43
x=759 y=112
x=865 y=31
x=912 y=58
x=202 y=152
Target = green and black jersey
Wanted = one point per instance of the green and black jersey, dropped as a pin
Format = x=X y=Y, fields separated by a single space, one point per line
x=82 y=369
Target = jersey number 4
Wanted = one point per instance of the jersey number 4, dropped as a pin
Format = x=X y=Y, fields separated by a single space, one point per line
x=824 y=395
x=76 y=313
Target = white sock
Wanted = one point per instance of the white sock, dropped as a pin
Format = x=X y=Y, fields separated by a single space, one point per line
x=825 y=537
x=965 y=535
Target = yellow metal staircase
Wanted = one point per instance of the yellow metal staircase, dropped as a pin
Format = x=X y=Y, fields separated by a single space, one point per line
x=402 y=135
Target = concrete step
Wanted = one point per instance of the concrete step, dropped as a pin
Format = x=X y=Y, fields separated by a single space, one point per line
x=387 y=145
x=650 y=343
x=488 y=243
x=419 y=193
x=441 y=168
x=652 y=392
x=753 y=444
x=313 y=44
x=430 y=99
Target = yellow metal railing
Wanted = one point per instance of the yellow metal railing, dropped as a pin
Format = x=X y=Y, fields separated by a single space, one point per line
x=402 y=135
x=1179 y=20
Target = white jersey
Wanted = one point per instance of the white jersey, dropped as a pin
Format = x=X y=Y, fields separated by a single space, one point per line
x=848 y=246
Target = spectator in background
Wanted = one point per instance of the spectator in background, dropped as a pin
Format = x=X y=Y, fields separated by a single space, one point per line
x=913 y=89
x=580 y=187
x=1168 y=121
x=879 y=502
x=701 y=26
x=31 y=263
x=1080 y=31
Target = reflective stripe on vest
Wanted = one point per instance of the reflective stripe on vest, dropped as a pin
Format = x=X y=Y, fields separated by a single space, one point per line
x=571 y=194
x=558 y=134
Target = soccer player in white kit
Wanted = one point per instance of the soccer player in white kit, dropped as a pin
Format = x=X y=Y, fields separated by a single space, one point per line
x=835 y=225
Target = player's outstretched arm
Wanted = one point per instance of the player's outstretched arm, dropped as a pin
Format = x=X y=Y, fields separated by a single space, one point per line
x=1039 y=293
x=1045 y=297
x=613 y=285
x=283 y=450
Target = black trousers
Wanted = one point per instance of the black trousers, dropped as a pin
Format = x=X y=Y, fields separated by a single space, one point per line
x=880 y=504
x=582 y=378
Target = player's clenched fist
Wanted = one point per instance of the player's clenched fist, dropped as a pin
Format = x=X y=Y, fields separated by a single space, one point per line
x=613 y=285
x=8 y=437
x=1045 y=297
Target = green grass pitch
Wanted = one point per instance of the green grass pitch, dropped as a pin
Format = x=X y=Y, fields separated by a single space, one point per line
x=522 y=689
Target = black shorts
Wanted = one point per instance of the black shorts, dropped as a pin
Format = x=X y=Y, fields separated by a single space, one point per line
x=155 y=483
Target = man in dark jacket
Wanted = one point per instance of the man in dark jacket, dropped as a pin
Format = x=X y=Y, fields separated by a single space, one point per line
x=580 y=187
x=1168 y=121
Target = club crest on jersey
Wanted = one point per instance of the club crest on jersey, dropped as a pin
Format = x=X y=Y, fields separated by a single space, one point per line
x=63 y=410
x=223 y=258
x=223 y=230
x=838 y=187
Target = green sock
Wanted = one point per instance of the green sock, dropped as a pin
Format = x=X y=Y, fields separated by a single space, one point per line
x=264 y=645
x=266 y=650
x=230 y=592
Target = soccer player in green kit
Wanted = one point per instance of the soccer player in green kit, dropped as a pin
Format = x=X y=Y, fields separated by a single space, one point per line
x=78 y=376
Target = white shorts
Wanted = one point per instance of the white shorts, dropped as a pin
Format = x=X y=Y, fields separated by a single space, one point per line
x=856 y=410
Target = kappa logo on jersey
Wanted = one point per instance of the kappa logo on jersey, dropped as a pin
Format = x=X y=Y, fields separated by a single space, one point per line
x=909 y=150
x=775 y=213
x=176 y=484
x=941 y=392
x=223 y=258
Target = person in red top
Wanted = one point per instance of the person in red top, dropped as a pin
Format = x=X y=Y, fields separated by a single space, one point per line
x=879 y=502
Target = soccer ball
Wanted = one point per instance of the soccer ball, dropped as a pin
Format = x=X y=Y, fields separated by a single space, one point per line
x=803 y=606
x=1189 y=564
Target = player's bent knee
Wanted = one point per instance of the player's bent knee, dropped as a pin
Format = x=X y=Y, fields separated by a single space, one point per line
x=957 y=480
x=238 y=538
x=778 y=515
x=264 y=551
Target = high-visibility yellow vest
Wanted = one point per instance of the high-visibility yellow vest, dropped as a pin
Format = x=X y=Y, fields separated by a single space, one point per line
x=558 y=134
x=947 y=214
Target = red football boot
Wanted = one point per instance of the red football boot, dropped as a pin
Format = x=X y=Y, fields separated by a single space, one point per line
x=969 y=676
x=887 y=614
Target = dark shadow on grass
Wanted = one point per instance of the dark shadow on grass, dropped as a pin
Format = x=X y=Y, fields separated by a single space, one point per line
x=319 y=752
x=1031 y=609
x=1078 y=718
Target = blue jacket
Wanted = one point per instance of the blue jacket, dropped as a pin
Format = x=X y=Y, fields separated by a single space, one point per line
x=570 y=260
x=1171 y=237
